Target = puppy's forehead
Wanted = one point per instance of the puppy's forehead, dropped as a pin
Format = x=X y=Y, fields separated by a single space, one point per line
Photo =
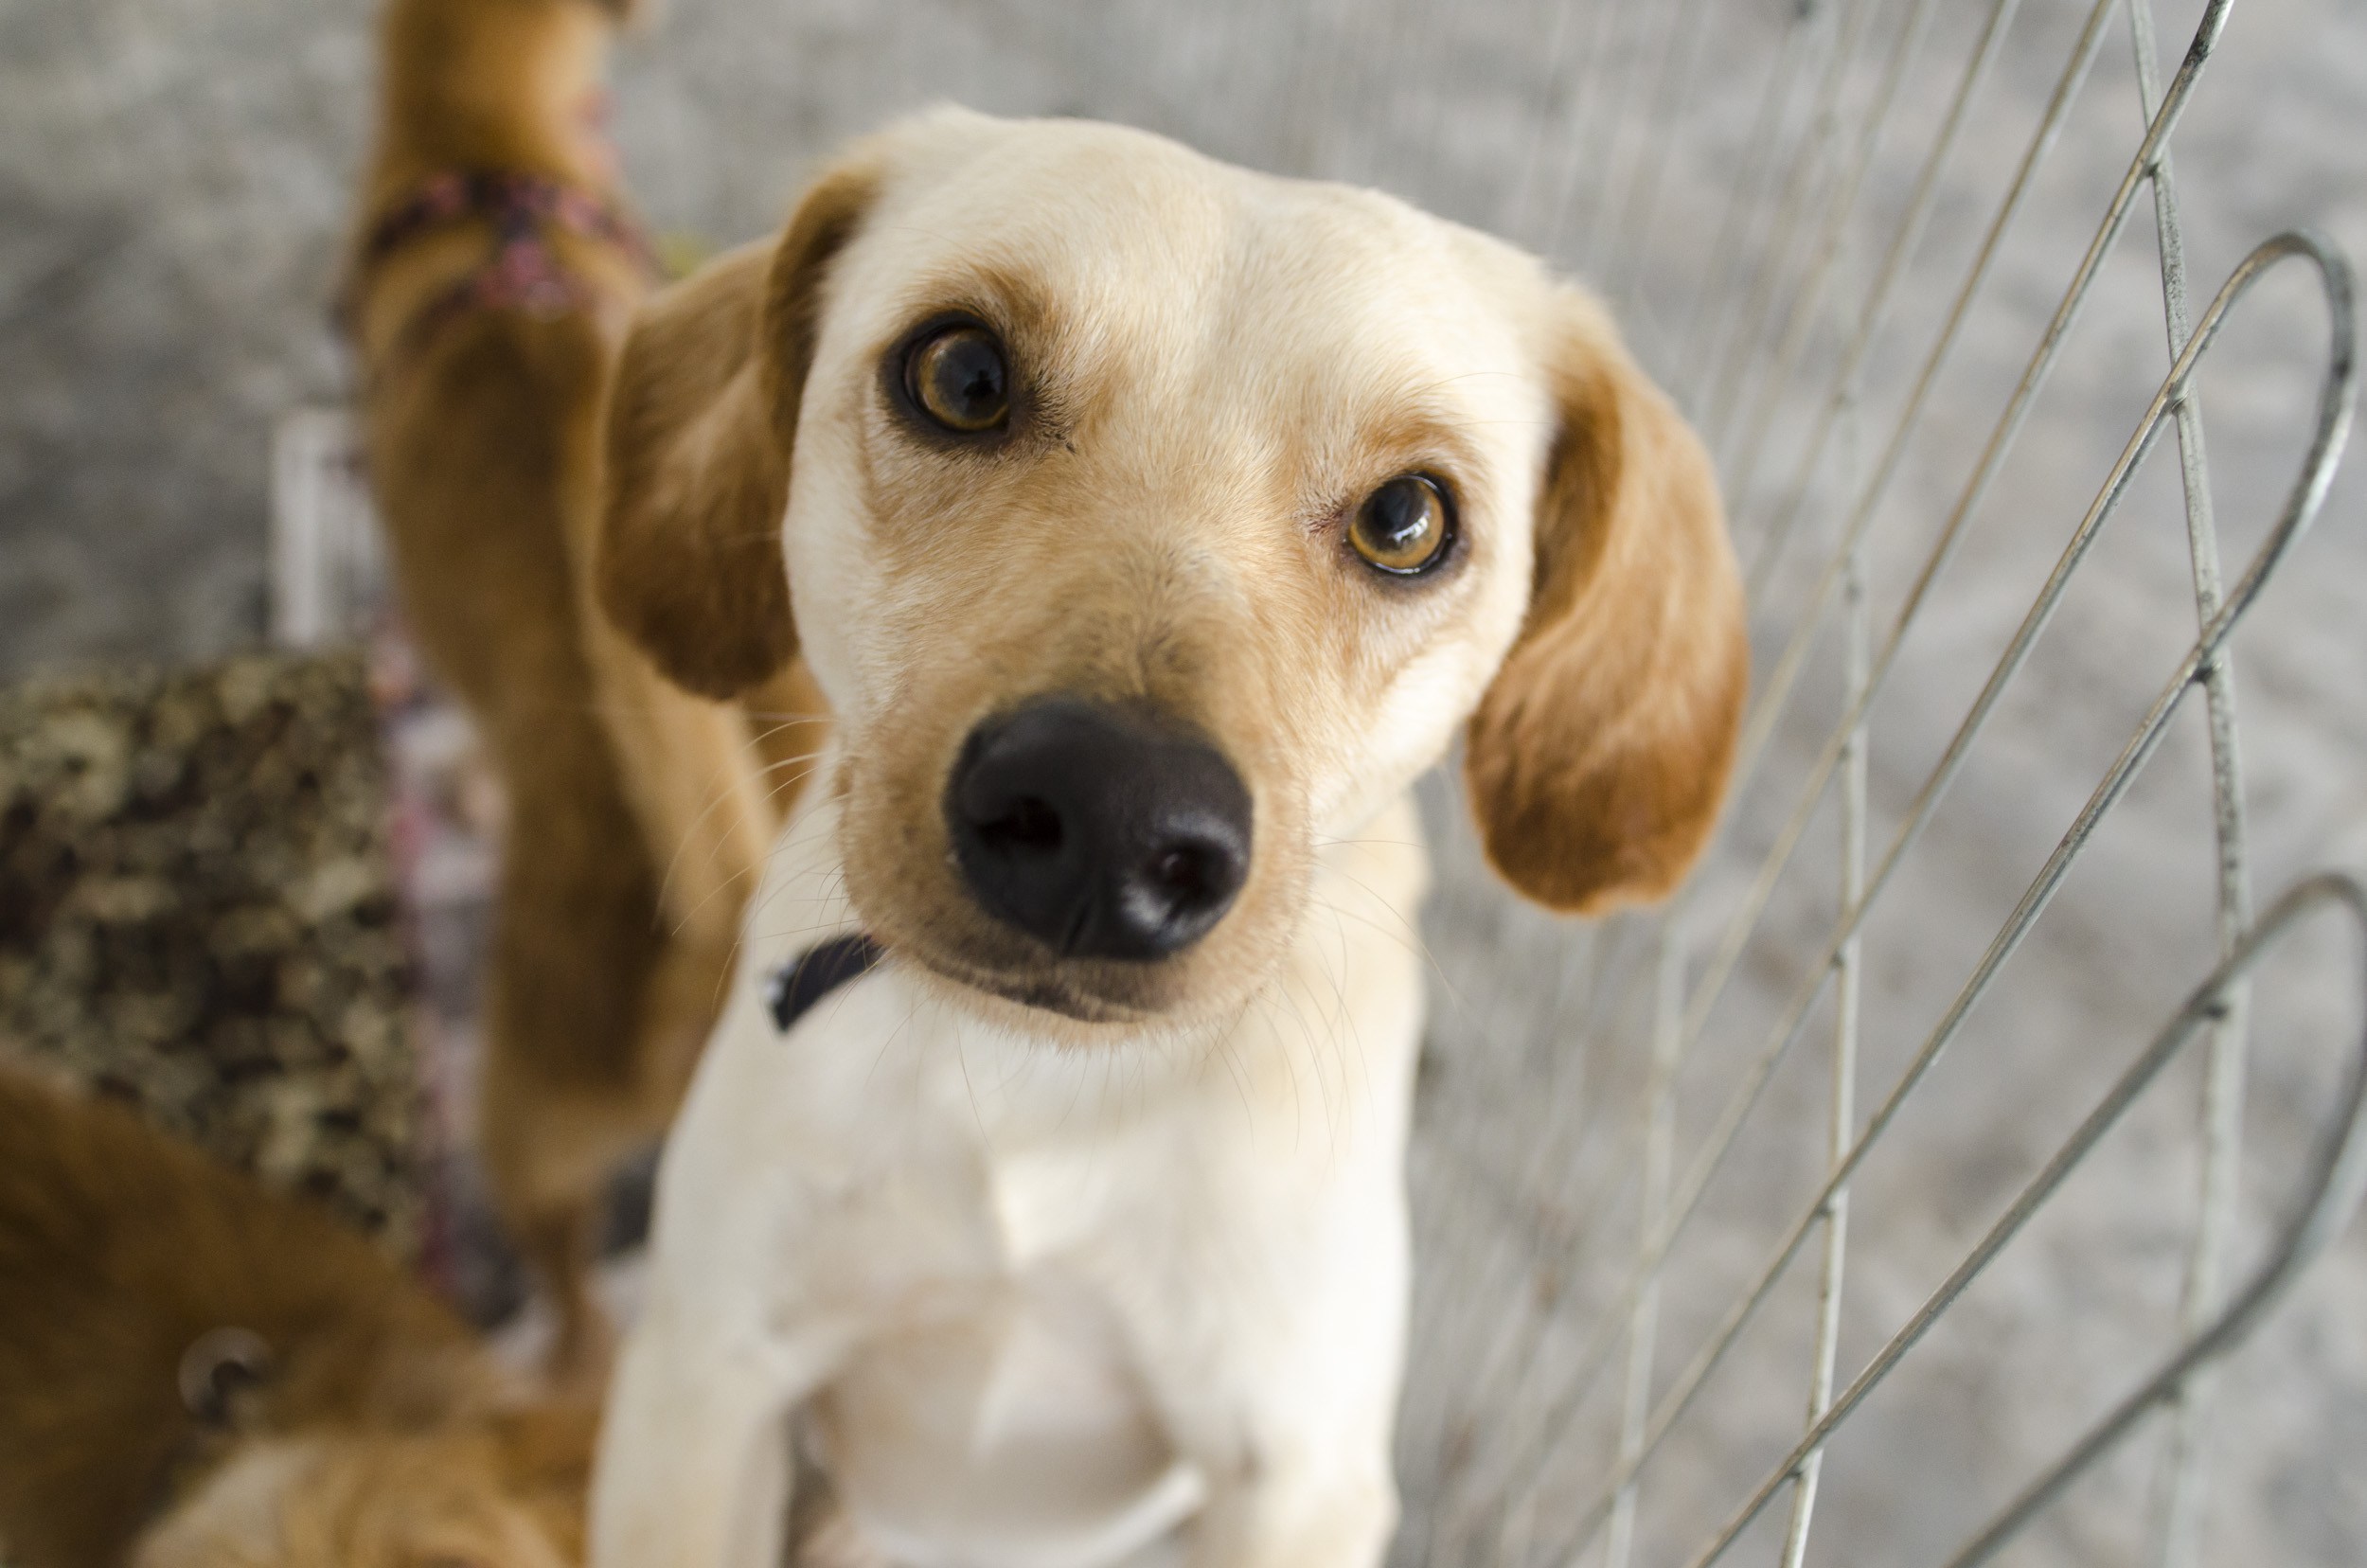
x=1136 y=249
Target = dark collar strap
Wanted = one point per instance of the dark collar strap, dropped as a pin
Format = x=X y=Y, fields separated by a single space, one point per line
x=791 y=990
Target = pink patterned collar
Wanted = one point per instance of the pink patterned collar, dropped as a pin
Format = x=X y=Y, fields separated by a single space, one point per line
x=524 y=272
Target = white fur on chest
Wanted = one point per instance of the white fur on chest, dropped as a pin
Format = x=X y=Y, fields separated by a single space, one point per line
x=1035 y=1282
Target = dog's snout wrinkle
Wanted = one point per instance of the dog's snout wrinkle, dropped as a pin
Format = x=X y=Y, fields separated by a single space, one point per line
x=1097 y=830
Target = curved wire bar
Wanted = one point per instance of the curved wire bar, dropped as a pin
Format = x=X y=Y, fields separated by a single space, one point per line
x=2337 y=1181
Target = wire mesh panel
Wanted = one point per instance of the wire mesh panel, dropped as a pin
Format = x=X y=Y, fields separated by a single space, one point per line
x=1660 y=1237
x=1902 y=1193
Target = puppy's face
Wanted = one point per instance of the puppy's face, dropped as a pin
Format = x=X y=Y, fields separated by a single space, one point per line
x=1149 y=523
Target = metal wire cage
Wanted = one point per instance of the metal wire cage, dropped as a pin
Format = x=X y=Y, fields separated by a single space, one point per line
x=1645 y=1259
x=1889 y=1198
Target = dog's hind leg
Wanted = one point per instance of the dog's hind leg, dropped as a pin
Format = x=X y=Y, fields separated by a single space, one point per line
x=608 y=972
x=579 y=954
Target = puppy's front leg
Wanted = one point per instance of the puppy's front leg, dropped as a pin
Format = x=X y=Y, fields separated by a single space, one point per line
x=693 y=1470
x=1294 y=1441
x=1286 y=1396
x=694 y=1463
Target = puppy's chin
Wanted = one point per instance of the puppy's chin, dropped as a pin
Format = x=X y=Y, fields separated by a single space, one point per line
x=1087 y=1004
x=1046 y=1006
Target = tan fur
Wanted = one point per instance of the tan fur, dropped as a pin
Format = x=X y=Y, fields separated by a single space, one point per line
x=698 y=434
x=502 y=1492
x=1598 y=760
x=637 y=811
x=120 y=1247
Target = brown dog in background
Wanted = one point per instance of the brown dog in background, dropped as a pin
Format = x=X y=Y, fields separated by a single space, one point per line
x=492 y=281
x=199 y=1372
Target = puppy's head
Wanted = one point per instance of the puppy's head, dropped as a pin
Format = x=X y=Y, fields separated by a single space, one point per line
x=1149 y=523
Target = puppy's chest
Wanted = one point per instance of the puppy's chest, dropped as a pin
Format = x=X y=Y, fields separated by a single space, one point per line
x=1019 y=1431
x=1046 y=1203
x=936 y=1172
x=997 y=1409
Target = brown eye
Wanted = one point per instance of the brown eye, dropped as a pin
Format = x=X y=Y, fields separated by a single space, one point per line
x=957 y=378
x=1404 y=526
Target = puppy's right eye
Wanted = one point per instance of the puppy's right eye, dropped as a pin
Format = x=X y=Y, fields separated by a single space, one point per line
x=1404 y=527
x=959 y=379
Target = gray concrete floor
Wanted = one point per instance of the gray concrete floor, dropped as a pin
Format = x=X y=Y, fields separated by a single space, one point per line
x=172 y=178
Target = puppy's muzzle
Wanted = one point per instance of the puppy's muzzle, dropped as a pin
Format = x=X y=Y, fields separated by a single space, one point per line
x=1099 y=831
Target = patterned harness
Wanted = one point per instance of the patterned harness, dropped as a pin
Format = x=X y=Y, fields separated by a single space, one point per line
x=524 y=272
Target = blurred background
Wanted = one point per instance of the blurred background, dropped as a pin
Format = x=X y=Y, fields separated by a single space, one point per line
x=1843 y=271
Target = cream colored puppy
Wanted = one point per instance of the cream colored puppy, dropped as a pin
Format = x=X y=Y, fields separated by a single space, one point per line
x=1150 y=525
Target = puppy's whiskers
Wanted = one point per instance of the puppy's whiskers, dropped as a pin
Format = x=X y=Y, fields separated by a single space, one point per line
x=753 y=869
x=719 y=791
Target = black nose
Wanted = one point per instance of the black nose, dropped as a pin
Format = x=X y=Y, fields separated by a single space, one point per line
x=1098 y=830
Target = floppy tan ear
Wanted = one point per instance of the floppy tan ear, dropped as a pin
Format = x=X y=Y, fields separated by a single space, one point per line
x=701 y=421
x=1598 y=759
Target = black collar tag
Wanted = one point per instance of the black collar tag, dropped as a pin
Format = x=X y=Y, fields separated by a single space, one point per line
x=790 y=991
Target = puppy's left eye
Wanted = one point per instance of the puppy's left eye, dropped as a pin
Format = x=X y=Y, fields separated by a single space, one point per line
x=959 y=379
x=1404 y=526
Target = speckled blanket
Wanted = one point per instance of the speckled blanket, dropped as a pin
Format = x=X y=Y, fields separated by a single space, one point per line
x=198 y=915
